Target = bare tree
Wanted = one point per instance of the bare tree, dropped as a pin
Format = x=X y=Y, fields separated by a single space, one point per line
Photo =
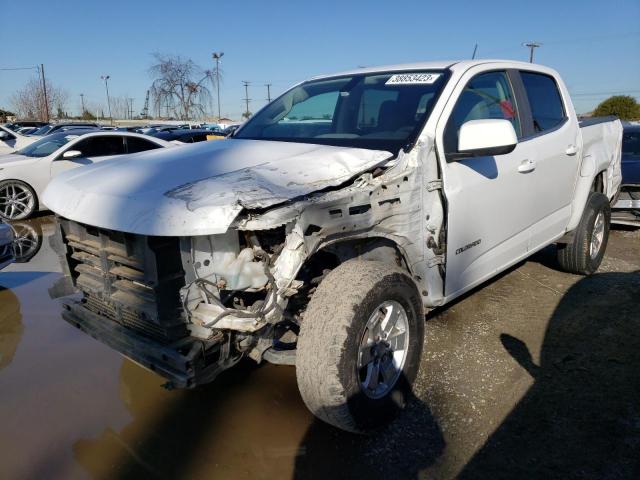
x=120 y=107
x=180 y=86
x=28 y=102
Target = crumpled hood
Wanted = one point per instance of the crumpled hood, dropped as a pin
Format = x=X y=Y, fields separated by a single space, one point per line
x=200 y=189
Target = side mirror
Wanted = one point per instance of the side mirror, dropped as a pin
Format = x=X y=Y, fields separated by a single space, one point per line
x=69 y=154
x=487 y=137
x=3 y=135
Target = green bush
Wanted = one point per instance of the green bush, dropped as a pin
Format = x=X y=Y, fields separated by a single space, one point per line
x=624 y=107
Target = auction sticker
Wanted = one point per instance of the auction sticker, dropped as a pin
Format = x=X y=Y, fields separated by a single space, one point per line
x=413 y=79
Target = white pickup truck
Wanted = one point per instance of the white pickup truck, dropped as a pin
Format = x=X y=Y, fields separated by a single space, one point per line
x=324 y=229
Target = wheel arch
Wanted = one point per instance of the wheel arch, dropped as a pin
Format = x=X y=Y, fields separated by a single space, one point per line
x=584 y=187
x=373 y=248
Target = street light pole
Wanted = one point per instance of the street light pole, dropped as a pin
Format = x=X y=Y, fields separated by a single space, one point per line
x=217 y=56
x=106 y=86
x=82 y=100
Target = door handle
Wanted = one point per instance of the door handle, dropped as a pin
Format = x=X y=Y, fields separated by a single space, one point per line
x=571 y=150
x=527 y=166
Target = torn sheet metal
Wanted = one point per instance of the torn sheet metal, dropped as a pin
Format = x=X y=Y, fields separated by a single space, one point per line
x=147 y=193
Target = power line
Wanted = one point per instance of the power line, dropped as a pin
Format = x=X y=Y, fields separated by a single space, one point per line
x=589 y=94
x=19 y=68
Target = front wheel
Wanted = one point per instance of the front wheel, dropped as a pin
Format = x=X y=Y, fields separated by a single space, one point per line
x=18 y=201
x=584 y=253
x=359 y=345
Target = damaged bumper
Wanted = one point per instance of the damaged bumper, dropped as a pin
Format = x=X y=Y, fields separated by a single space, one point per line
x=184 y=364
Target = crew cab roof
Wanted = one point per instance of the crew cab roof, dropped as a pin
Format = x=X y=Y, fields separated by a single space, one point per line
x=459 y=65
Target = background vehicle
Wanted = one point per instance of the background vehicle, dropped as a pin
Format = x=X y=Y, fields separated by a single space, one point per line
x=27 y=130
x=17 y=125
x=49 y=129
x=227 y=132
x=10 y=140
x=183 y=135
x=627 y=208
x=320 y=233
x=6 y=245
x=25 y=173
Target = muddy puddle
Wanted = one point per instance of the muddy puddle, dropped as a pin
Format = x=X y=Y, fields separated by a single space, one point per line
x=72 y=408
x=495 y=362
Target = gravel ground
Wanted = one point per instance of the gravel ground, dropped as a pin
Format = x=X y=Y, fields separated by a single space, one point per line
x=534 y=375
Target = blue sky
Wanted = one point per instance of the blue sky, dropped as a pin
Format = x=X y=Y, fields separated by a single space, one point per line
x=594 y=44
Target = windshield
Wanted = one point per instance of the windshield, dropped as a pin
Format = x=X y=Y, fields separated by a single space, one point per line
x=631 y=143
x=47 y=145
x=381 y=111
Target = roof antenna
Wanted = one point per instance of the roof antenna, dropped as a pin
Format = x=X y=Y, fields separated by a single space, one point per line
x=475 y=50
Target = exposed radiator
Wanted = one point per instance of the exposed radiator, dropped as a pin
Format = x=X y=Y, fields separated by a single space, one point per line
x=130 y=279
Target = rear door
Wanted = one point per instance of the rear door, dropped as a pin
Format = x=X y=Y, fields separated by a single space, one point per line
x=551 y=131
x=137 y=144
x=489 y=198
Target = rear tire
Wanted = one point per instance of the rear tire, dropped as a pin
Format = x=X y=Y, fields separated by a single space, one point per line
x=354 y=368
x=585 y=252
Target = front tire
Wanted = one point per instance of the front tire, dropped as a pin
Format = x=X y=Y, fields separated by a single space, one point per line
x=359 y=345
x=18 y=201
x=585 y=252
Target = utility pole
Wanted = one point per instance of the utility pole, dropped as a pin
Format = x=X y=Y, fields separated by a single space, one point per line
x=106 y=86
x=44 y=90
x=217 y=56
x=531 y=46
x=130 y=107
x=82 y=101
x=145 y=110
x=475 y=50
x=247 y=113
x=268 y=85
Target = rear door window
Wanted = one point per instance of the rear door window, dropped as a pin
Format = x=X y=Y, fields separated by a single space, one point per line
x=135 y=145
x=544 y=100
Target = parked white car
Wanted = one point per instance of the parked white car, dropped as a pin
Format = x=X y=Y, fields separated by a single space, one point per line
x=11 y=141
x=6 y=245
x=320 y=233
x=25 y=173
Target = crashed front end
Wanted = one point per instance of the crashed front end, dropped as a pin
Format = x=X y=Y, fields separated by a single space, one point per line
x=192 y=305
x=186 y=308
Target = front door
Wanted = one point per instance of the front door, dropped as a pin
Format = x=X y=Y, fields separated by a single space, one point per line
x=93 y=149
x=489 y=198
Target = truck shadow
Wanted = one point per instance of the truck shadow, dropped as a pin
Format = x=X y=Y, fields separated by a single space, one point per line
x=403 y=449
x=581 y=418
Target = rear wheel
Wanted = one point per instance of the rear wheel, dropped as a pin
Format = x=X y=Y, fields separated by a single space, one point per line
x=18 y=201
x=585 y=252
x=359 y=345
